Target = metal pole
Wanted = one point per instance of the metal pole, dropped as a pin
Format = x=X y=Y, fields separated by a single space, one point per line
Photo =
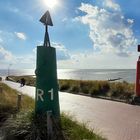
x=9 y=69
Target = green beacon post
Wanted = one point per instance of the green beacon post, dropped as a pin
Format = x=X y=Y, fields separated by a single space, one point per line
x=47 y=99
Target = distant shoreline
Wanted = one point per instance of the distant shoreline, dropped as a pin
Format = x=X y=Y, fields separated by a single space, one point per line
x=83 y=74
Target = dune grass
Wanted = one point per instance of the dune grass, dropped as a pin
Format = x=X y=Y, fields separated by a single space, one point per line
x=120 y=90
x=113 y=90
x=22 y=127
x=76 y=131
x=8 y=98
x=25 y=126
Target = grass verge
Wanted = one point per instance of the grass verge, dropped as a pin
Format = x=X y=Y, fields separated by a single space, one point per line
x=111 y=90
x=8 y=101
x=76 y=131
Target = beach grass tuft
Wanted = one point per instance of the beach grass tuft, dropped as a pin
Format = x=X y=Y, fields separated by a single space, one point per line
x=8 y=100
x=112 y=90
x=118 y=90
x=76 y=131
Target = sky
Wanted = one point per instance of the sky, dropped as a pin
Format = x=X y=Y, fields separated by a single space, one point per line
x=87 y=34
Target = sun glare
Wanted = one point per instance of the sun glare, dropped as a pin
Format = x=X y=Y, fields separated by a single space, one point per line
x=51 y=3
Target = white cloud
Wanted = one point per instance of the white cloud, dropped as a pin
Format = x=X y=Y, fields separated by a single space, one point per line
x=21 y=61
x=5 y=55
x=34 y=50
x=61 y=51
x=131 y=21
x=20 y=35
x=39 y=43
x=13 y=9
x=110 y=31
x=4 y=35
x=19 y=12
x=99 y=61
x=1 y=40
x=64 y=19
x=111 y=5
x=26 y=59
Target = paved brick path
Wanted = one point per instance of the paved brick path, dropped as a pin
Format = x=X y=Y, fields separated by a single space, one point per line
x=114 y=120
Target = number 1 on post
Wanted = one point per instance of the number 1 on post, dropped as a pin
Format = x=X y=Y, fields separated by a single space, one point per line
x=51 y=91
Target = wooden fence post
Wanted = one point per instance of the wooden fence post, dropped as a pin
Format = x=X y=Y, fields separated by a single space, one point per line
x=18 y=102
x=1 y=90
x=49 y=125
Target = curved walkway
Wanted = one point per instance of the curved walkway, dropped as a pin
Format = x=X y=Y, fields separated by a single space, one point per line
x=114 y=120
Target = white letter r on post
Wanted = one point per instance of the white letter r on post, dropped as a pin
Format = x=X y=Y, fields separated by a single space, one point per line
x=40 y=94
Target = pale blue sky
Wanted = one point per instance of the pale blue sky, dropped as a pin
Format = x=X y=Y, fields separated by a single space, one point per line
x=86 y=33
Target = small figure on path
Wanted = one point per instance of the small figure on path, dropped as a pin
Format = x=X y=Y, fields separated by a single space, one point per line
x=22 y=82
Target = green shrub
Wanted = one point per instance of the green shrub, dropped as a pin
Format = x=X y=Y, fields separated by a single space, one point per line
x=85 y=86
x=74 y=89
x=105 y=87
x=94 y=92
x=64 y=87
x=122 y=90
x=85 y=90
x=117 y=89
x=128 y=90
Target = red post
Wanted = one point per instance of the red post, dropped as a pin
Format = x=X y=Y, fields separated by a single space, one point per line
x=138 y=75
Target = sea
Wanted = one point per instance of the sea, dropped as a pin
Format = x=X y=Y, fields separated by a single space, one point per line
x=128 y=75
